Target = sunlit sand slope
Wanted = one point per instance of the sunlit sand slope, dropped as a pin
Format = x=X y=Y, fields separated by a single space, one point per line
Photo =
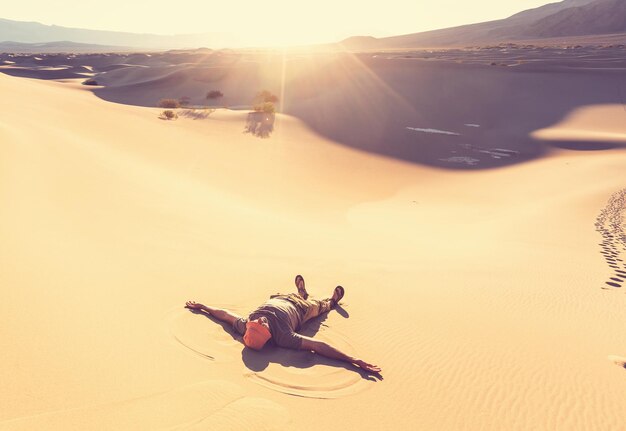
x=480 y=294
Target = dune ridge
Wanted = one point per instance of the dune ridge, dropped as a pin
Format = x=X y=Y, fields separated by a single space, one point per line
x=384 y=102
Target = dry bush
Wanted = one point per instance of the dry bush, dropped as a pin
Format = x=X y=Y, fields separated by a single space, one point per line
x=169 y=103
x=169 y=115
x=90 y=81
x=266 y=107
x=265 y=96
x=184 y=101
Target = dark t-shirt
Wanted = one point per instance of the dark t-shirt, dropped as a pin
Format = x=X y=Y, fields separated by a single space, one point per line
x=284 y=318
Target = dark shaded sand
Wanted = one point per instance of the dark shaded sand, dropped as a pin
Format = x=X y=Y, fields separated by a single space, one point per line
x=460 y=109
x=455 y=108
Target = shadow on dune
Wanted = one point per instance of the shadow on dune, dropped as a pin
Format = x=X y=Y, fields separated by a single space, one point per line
x=259 y=124
x=450 y=109
x=445 y=114
x=196 y=114
x=46 y=74
x=448 y=115
x=586 y=146
x=259 y=361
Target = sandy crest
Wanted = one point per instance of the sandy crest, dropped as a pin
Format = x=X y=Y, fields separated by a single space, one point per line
x=589 y=127
x=479 y=293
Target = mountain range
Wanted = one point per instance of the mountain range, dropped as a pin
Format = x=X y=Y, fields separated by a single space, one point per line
x=34 y=32
x=567 y=18
x=60 y=46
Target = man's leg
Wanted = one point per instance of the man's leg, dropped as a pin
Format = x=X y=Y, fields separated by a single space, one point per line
x=301 y=288
x=302 y=293
x=315 y=307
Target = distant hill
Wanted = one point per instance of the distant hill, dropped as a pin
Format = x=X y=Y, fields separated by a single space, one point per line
x=61 y=46
x=548 y=9
x=34 y=32
x=565 y=18
x=598 y=17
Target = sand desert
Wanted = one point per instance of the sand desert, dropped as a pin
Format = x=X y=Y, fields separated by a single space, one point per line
x=471 y=202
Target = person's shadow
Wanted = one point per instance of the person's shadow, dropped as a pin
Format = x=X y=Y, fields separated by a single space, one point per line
x=258 y=361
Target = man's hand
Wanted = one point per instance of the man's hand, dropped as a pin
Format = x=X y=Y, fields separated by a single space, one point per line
x=367 y=367
x=329 y=351
x=192 y=305
x=218 y=313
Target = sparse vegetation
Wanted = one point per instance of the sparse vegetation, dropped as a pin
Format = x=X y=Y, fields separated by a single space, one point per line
x=184 y=101
x=261 y=122
x=169 y=115
x=264 y=97
x=169 y=103
x=214 y=94
x=264 y=102
x=90 y=81
x=266 y=107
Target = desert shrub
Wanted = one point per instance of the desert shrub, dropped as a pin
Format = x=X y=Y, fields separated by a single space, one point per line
x=266 y=107
x=264 y=102
x=184 y=101
x=90 y=81
x=169 y=103
x=169 y=115
x=214 y=94
x=265 y=96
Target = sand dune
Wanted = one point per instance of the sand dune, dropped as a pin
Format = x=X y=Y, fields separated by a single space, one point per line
x=479 y=293
x=591 y=127
x=377 y=103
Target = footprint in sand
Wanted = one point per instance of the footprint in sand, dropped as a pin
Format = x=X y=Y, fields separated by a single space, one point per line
x=288 y=371
x=214 y=405
x=610 y=225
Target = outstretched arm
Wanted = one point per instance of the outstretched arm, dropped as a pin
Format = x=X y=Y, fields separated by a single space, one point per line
x=223 y=315
x=329 y=351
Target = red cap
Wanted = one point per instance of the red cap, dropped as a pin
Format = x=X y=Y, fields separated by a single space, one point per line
x=256 y=335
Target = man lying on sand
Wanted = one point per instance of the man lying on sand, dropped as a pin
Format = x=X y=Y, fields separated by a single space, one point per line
x=280 y=318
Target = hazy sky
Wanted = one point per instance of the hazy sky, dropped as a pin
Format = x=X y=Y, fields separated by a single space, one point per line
x=266 y=22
